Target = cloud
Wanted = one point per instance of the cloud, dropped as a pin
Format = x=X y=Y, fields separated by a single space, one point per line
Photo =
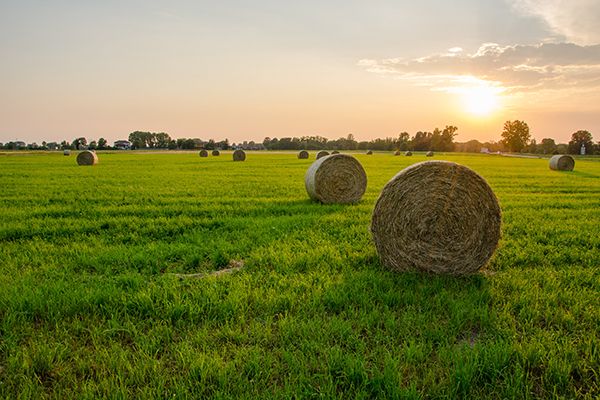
x=577 y=20
x=518 y=68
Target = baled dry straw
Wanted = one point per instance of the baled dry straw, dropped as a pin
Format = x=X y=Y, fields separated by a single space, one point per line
x=436 y=216
x=562 y=162
x=335 y=152
x=216 y=153
x=408 y=153
x=370 y=152
x=239 y=155
x=338 y=178
x=87 y=158
x=303 y=154
x=66 y=152
x=429 y=153
x=203 y=153
x=322 y=153
x=397 y=153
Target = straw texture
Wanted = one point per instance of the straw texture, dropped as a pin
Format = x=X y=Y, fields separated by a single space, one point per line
x=87 y=158
x=303 y=154
x=239 y=155
x=561 y=162
x=216 y=153
x=338 y=178
x=203 y=153
x=436 y=216
x=322 y=153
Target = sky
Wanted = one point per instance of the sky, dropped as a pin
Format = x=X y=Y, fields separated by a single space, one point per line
x=245 y=70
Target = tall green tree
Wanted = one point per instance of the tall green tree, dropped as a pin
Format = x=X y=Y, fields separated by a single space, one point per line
x=580 y=138
x=79 y=143
x=548 y=146
x=515 y=135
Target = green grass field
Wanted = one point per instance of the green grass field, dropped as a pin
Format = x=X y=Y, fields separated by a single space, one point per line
x=90 y=306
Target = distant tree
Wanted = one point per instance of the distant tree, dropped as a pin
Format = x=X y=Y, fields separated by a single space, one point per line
x=580 y=138
x=64 y=145
x=548 y=146
x=93 y=145
x=403 y=141
x=188 y=144
x=102 y=143
x=172 y=144
x=79 y=143
x=515 y=135
x=162 y=140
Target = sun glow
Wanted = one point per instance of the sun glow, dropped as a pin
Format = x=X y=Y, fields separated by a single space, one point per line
x=481 y=101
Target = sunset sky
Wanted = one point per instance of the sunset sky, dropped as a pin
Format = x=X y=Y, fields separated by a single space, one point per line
x=244 y=70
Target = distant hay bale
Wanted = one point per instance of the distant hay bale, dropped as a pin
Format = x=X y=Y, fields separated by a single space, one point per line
x=239 y=155
x=335 y=152
x=429 y=153
x=338 y=178
x=408 y=153
x=397 y=153
x=66 y=152
x=562 y=162
x=87 y=158
x=370 y=152
x=203 y=153
x=436 y=216
x=303 y=154
x=322 y=153
x=216 y=153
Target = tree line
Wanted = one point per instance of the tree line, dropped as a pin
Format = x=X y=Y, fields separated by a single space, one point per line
x=515 y=137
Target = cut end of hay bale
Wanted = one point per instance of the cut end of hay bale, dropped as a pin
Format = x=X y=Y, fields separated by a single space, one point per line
x=303 y=154
x=338 y=178
x=239 y=155
x=322 y=153
x=562 y=162
x=436 y=216
x=203 y=153
x=408 y=153
x=216 y=153
x=429 y=154
x=87 y=158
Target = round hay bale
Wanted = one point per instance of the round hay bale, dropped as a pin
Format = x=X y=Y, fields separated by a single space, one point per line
x=87 y=158
x=429 y=153
x=66 y=152
x=303 y=154
x=203 y=153
x=370 y=152
x=322 y=153
x=239 y=155
x=436 y=216
x=562 y=162
x=397 y=153
x=335 y=152
x=338 y=178
x=408 y=153
x=216 y=153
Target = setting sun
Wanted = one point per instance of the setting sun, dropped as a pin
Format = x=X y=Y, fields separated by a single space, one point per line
x=481 y=101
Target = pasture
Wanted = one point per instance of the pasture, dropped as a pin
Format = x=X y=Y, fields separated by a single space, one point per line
x=90 y=305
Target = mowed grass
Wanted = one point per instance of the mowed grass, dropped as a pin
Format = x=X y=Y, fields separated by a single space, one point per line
x=90 y=307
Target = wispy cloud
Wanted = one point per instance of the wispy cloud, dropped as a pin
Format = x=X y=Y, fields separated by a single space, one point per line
x=577 y=20
x=518 y=68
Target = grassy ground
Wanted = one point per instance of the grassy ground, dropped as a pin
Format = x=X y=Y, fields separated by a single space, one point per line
x=89 y=305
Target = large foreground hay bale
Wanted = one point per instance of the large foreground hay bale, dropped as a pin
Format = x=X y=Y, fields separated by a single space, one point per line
x=436 y=216
x=203 y=153
x=303 y=154
x=408 y=153
x=338 y=178
x=66 y=152
x=216 y=153
x=429 y=153
x=562 y=162
x=87 y=158
x=322 y=153
x=239 y=155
